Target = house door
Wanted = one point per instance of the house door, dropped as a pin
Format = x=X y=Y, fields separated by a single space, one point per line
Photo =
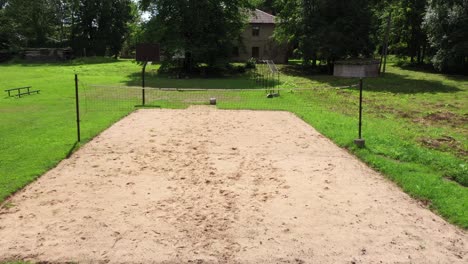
x=256 y=52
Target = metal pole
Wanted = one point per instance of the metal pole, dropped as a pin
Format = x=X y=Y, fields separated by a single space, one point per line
x=279 y=83
x=263 y=77
x=360 y=142
x=360 y=108
x=143 y=95
x=77 y=101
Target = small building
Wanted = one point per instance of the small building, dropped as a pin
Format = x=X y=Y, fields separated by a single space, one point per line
x=258 y=42
x=48 y=54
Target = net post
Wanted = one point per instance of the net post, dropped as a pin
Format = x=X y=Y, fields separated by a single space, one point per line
x=279 y=83
x=360 y=108
x=360 y=142
x=77 y=102
x=143 y=95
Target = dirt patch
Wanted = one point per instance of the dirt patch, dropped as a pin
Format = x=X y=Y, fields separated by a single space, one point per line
x=381 y=110
x=445 y=105
x=209 y=186
x=443 y=118
x=446 y=143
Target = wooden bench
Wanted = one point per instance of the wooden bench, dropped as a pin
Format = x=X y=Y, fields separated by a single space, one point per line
x=13 y=92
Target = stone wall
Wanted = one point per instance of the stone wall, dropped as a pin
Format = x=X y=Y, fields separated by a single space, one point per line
x=269 y=49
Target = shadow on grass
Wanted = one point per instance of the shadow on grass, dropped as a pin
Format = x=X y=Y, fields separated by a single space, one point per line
x=426 y=68
x=391 y=82
x=430 y=70
x=75 y=62
x=155 y=80
x=402 y=84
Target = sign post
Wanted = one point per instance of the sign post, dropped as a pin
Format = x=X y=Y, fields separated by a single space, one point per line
x=143 y=95
x=361 y=69
x=360 y=142
x=146 y=53
x=77 y=102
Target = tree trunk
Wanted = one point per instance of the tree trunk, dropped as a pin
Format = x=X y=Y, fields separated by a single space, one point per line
x=187 y=63
x=423 y=56
x=330 y=64
x=419 y=55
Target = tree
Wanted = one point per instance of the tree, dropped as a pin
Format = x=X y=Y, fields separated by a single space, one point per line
x=446 y=23
x=327 y=29
x=205 y=30
x=268 y=6
x=99 y=27
x=5 y=28
x=136 y=31
x=407 y=37
x=418 y=39
x=31 y=21
x=95 y=27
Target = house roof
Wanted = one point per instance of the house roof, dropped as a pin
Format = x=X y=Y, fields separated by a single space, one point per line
x=260 y=17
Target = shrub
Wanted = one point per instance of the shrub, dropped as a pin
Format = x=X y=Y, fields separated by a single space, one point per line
x=251 y=63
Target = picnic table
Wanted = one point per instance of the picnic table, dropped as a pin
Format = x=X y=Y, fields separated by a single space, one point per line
x=20 y=91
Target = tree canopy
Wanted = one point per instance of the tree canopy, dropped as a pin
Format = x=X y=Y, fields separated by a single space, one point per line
x=268 y=6
x=204 y=30
x=97 y=26
x=446 y=24
x=26 y=23
x=420 y=29
x=326 y=29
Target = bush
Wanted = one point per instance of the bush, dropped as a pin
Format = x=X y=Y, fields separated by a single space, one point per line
x=175 y=68
x=251 y=63
x=5 y=56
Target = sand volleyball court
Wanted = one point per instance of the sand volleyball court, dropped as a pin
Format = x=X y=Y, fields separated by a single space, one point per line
x=211 y=186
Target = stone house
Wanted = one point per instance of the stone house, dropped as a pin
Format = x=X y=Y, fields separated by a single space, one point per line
x=258 y=42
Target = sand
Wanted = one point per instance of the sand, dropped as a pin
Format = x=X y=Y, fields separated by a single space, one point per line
x=210 y=186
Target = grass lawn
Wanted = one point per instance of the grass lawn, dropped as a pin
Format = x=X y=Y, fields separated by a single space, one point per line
x=416 y=123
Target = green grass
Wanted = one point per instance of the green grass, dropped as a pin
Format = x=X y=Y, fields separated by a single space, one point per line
x=415 y=123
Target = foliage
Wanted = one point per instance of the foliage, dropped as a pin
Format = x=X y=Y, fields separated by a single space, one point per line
x=6 y=32
x=27 y=23
x=251 y=63
x=135 y=34
x=203 y=31
x=407 y=37
x=325 y=29
x=266 y=5
x=446 y=23
x=100 y=27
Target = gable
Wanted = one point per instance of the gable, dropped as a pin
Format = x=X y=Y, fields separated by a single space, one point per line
x=260 y=17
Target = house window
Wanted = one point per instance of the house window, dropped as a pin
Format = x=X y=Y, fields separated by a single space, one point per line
x=255 y=31
x=255 y=52
x=235 y=52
